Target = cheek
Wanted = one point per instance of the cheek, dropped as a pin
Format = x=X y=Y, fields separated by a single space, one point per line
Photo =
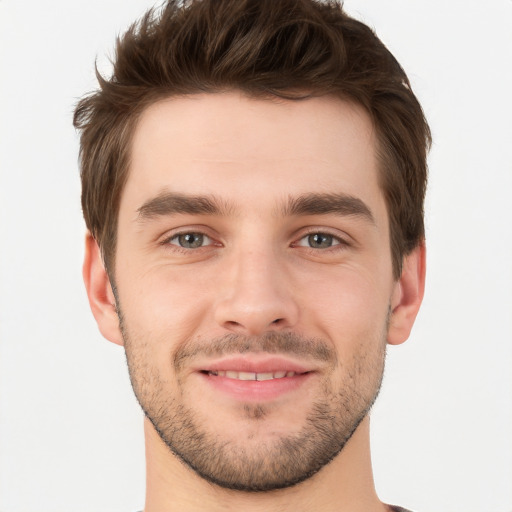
x=348 y=305
x=165 y=303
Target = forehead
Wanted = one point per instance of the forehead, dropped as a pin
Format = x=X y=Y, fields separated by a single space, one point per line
x=247 y=149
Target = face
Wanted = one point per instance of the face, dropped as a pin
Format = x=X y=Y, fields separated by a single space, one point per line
x=254 y=282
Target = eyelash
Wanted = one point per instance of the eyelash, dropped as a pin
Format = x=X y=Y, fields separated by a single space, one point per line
x=176 y=247
x=339 y=243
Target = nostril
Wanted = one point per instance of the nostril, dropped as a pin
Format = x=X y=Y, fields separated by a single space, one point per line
x=278 y=321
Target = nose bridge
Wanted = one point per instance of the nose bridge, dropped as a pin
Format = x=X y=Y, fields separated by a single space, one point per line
x=255 y=297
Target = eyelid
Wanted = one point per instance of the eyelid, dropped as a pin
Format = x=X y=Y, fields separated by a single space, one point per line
x=171 y=234
x=206 y=239
x=336 y=241
x=341 y=238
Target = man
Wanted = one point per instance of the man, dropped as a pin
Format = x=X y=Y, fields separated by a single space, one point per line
x=253 y=181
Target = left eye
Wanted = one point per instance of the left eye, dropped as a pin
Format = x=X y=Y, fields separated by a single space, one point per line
x=318 y=241
x=190 y=240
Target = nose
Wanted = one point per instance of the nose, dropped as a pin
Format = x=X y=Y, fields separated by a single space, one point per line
x=255 y=295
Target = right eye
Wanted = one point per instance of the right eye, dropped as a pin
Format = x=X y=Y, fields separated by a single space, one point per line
x=190 y=240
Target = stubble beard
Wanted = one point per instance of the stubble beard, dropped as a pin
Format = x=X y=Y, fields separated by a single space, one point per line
x=242 y=464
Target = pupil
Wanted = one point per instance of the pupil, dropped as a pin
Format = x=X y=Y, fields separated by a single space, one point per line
x=191 y=240
x=319 y=240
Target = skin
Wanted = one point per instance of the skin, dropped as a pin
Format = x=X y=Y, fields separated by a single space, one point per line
x=255 y=273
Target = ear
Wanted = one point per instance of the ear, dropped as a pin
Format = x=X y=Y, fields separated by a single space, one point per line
x=99 y=291
x=407 y=295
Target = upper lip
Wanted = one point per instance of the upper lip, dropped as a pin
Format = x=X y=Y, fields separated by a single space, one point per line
x=255 y=364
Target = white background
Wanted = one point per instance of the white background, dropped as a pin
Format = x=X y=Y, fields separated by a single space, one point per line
x=70 y=430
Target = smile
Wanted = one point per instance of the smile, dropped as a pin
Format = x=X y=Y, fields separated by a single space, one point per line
x=255 y=384
x=255 y=377
x=251 y=375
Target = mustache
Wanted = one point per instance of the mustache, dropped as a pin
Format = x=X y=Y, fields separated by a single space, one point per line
x=286 y=343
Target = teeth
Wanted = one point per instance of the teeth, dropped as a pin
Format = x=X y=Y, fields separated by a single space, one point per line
x=246 y=376
x=265 y=376
x=251 y=375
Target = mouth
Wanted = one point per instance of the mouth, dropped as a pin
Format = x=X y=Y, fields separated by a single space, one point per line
x=253 y=376
x=255 y=379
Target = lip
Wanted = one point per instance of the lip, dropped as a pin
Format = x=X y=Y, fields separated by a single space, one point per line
x=255 y=390
x=255 y=364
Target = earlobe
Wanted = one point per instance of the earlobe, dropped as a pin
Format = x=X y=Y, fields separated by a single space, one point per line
x=407 y=296
x=99 y=292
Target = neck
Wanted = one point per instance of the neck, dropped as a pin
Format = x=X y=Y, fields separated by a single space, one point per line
x=344 y=485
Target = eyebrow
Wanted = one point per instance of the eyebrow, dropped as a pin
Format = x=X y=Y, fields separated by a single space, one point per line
x=171 y=203
x=324 y=204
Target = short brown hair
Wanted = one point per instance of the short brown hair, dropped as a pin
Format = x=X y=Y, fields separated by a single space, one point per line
x=292 y=49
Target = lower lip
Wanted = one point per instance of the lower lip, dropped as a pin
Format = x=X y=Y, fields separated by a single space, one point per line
x=254 y=390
